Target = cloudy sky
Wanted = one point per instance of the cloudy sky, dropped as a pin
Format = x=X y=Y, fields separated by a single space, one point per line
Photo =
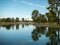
x=21 y=8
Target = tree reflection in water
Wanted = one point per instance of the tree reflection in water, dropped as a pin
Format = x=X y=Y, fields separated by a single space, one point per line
x=53 y=34
x=17 y=27
x=8 y=27
x=37 y=33
x=22 y=25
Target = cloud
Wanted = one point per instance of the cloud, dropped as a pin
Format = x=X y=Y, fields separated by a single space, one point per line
x=32 y=4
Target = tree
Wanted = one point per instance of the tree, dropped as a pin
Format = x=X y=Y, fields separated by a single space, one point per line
x=22 y=19
x=51 y=17
x=41 y=18
x=8 y=20
x=12 y=20
x=52 y=1
x=35 y=15
x=3 y=20
x=0 y=20
x=52 y=4
x=17 y=19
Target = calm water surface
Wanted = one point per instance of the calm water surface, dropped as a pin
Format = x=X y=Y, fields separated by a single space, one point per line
x=29 y=35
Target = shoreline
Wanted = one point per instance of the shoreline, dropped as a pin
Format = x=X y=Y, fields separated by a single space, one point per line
x=31 y=23
x=15 y=23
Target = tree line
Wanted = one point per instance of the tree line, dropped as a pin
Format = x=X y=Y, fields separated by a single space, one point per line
x=9 y=19
x=52 y=15
x=37 y=17
x=51 y=34
x=48 y=17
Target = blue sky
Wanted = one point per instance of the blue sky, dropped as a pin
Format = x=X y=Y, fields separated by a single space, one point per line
x=21 y=8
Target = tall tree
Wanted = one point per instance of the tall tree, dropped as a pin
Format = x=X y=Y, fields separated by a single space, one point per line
x=53 y=6
x=23 y=19
x=41 y=18
x=17 y=19
x=8 y=20
x=52 y=11
x=51 y=17
x=35 y=15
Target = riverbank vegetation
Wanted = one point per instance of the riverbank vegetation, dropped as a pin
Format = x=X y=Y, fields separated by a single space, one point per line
x=49 y=18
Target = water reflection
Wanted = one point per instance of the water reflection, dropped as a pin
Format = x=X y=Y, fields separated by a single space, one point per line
x=36 y=33
x=17 y=26
x=8 y=27
x=20 y=34
x=22 y=25
x=53 y=34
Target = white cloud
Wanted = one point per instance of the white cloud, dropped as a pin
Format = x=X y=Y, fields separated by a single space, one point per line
x=32 y=4
x=27 y=3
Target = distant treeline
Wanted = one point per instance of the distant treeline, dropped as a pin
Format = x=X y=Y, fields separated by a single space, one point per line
x=12 y=19
x=9 y=19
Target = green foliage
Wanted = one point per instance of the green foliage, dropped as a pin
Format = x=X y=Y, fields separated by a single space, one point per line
x=52 y=1
x=35 y=14
x=8 y=20
x=12 y=20
x=37 y=17
x=52 y=11
x=17 y=19
x=22 y=19
x=3 y=20
x=41 y=18
x=52 y=6
x=51 y=17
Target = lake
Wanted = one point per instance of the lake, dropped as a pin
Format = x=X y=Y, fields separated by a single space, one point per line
x=29 y=35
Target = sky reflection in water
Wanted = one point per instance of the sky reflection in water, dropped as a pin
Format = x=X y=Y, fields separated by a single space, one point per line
x=29 y=35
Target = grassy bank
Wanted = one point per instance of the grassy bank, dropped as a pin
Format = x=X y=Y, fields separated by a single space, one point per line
x=46 y=24
x=14 y=23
